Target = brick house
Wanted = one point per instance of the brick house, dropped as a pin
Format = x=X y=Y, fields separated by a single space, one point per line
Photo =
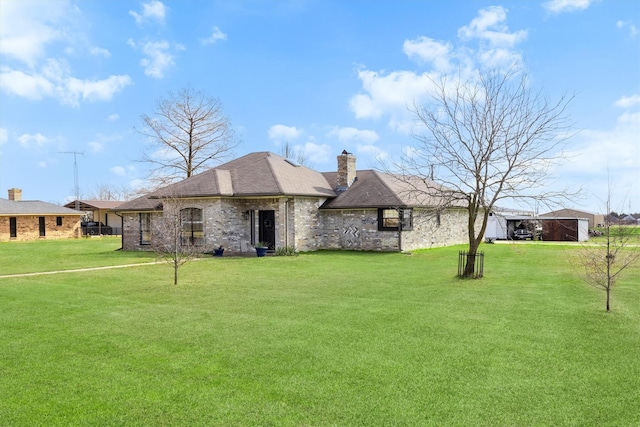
x=33 y=219
x=263 y=197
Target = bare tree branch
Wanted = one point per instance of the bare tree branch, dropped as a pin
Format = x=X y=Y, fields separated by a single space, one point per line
x=486 y=140
x=187 y=133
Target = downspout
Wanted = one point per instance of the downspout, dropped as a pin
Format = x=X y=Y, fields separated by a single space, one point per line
x=400 y=215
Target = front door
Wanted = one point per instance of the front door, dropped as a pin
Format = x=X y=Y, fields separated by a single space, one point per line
x=267 y=228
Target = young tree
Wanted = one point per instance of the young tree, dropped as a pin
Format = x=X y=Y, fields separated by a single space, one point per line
x=177 y=237
x=487 y=139
x=601 y=264
x=187 y=133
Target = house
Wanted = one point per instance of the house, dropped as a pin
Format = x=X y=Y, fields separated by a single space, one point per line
x=101 y=212
x=263 y=197
x=33 y=219
x=594 y=220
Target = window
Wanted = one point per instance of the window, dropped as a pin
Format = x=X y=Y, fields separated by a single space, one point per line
x=42 y=226
x=389 y=219
x=192 y=227
x=13 y=227
x=58 y=221
x=145 y=228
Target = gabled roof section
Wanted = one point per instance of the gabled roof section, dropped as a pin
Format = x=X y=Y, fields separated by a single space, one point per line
x=373 y=189
x=254 y=175
x=33 y=207
x=88 y=205
x=140 y=204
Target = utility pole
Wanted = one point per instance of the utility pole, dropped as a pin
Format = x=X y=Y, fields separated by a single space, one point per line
x=76 y=186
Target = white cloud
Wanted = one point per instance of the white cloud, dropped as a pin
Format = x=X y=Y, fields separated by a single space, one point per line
x=602 y=155
x=559 y=6
x=281 y=133
x=30 y=86
x=96 y=147
x=27 y=28
x=215 y=36
x=490 y=26
x=4 y=136
x=348 y=134
x=628 y=101
x=393 y=94
x=28 y=141
x=98 y=51
x=119 y=170
x=633 y=30
x=54 y=80
x=376 y=153
x=151 y=11
x=159 y=56
x=428 y=50
x=113 y=117
x=317 y=153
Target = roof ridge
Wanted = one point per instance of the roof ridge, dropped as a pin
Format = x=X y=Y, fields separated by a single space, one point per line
x=270 y=160
x=393 y=193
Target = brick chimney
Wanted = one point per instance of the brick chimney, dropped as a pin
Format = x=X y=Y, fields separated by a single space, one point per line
x=346 y=170
x=15 y=194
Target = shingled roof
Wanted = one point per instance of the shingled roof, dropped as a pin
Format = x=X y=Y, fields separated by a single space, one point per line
x=373 y=189
x=33 y=207
x=252 y=175
x=88 y=205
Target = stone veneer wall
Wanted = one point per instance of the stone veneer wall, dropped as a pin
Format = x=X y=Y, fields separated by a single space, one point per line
x=355 y=229
x=426 y=232
x=300 y=223
x=28 y=228
x=306 y=223
x=225 y=225
x=358 y=230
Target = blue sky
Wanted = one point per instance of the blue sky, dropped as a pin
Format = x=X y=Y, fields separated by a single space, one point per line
x=321 y=75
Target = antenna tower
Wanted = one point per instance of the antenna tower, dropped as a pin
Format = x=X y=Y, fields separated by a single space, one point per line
x=76 y=186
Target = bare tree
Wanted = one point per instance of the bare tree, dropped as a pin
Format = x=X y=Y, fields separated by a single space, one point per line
x=487 y=139
x=106 y=191
x=177 y=237
x=289 y=152
x=187 y=133
x=601 y=264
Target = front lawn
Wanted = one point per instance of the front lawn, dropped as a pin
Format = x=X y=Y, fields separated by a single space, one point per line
x=328 y=338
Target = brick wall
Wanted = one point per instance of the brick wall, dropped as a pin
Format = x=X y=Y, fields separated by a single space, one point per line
x=28 y=228
x=300 y=223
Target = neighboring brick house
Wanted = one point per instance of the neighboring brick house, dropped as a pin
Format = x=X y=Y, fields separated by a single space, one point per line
x=265 y=197
x=33 y=219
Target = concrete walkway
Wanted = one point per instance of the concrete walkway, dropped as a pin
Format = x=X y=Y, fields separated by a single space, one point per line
x=78 y=270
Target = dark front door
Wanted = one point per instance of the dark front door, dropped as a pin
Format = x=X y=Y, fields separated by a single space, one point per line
x=41 y=226
x=267 y=228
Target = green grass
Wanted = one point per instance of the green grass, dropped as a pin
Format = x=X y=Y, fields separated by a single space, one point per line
x=328 y=338
x=51 y=255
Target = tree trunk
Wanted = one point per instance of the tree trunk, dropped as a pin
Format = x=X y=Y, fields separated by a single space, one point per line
x=470 y=266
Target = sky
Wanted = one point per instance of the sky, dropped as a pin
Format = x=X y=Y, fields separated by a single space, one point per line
x=320 y=75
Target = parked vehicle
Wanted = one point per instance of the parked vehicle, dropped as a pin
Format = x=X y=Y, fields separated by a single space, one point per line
x=522 y=234
x=91 y=228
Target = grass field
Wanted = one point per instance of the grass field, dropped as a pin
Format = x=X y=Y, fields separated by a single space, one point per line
x=328 y=338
